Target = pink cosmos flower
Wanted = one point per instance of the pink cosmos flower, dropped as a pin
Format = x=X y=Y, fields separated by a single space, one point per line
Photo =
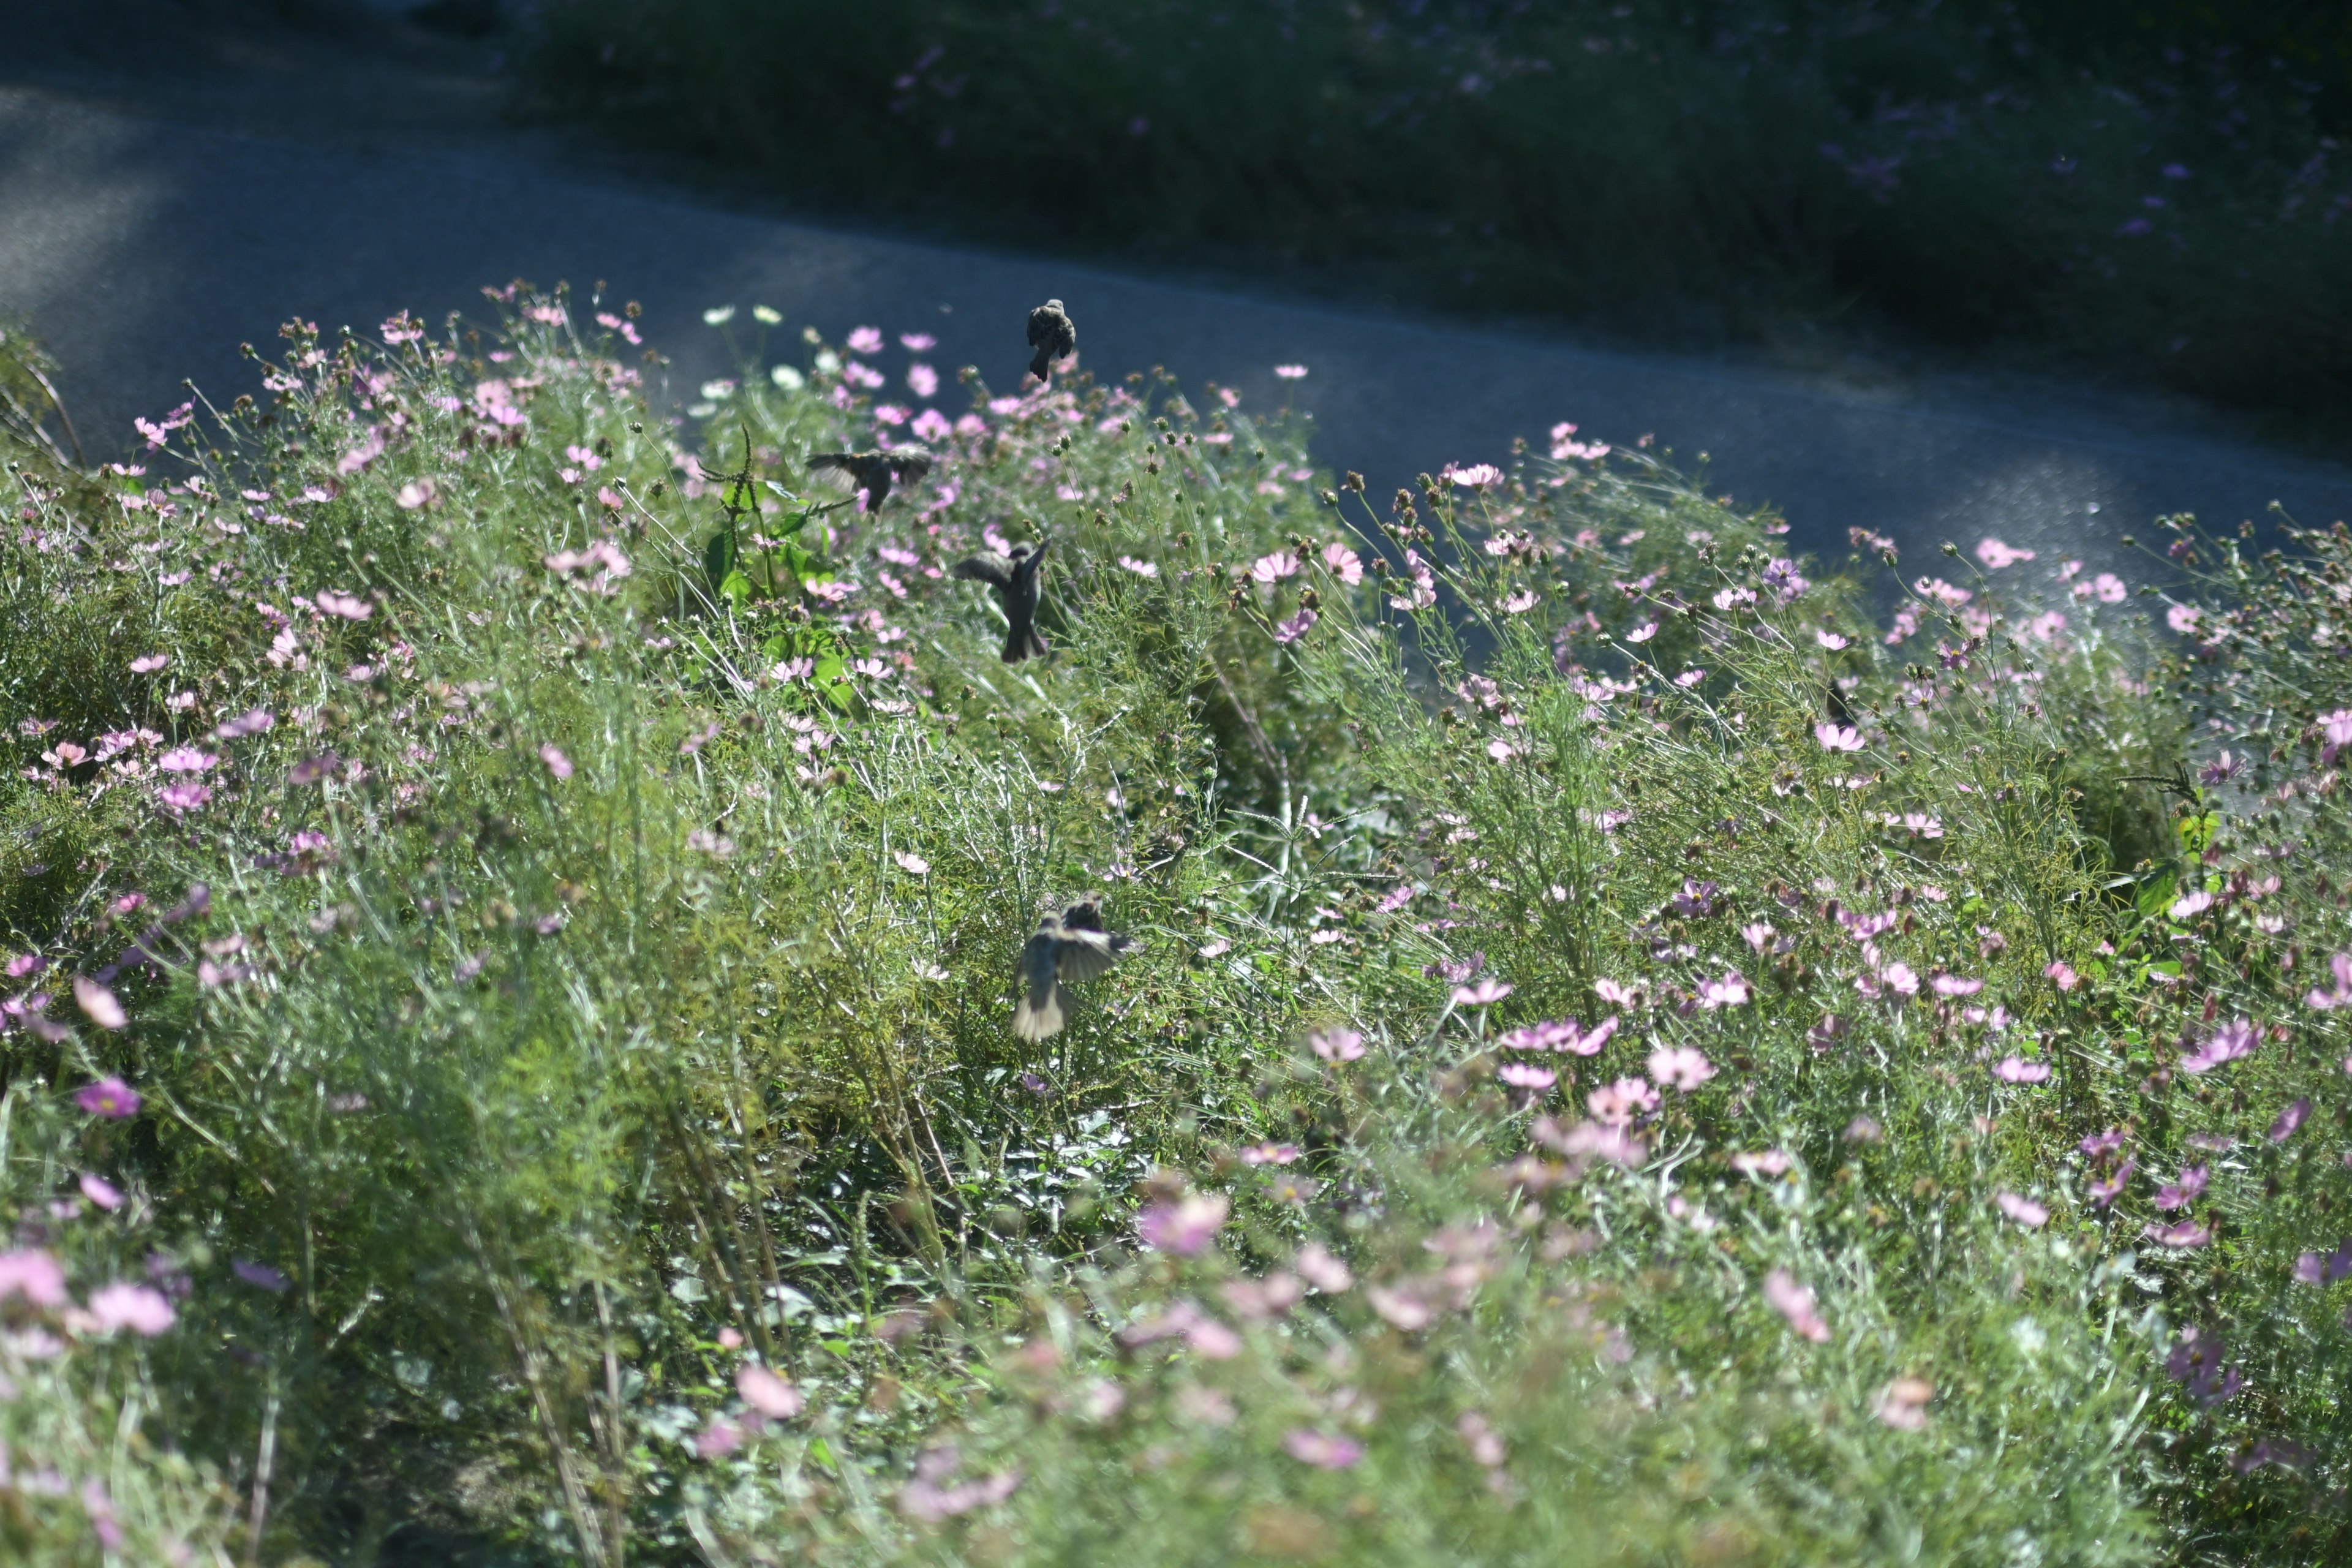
x=109 y=1097
x=100 y=1004
x=1831 y=640
x=1344 y=562
x=1761 y=1163
x=1643 y=633
x=2017 y=1069
x=1477 y=476
x=35 y=1275
x=1838 y=737
x=1336 y=1045
x=1323 y=1450
x=253 y=723
x=1618 y=1103
x=922 y=381
x=187 y=760
x=260 y=1276
x=1525 y=1075
x=557 y=762
x=100 y=1191
x=1270 y=1154
x=917 y=343
x=1616 y=994
x=2063 y=974
x=1291 y=630
x=1486 y=993
x=865 y=341
x=1795 y=1302
x=2179 y=1195
x=1997 y=555
x=147 y=664
x=2228 y=1043
x=1290 y=371
x=2191 y=905
x=2341 y=967
x=2182 y=618
x=764 y=1392
x=1275 y=567
x=139 y=1308
x=1954 y=985
x=1680 y=1068
x=2290 y=1120
x=1319 y=1267
x=1186 y=1226
x=1730 y=991
x=2023 y=1210
x=718 y=1439
x=2186 y=1234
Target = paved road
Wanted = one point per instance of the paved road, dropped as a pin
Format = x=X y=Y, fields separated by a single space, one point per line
x=143 y=250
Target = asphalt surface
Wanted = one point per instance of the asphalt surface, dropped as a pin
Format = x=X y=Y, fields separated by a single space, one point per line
x=148 y=224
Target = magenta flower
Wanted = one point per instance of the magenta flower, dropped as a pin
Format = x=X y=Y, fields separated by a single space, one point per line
x=2062 y=975
x=2228 y=1043
x=1954 y=985
x=1525 y=1075
x=1291 y=630
x=865 y=341
x=139 y=1308
x=1186 y=1227
x=2186 y=1234
x=2104 y=1192
x=2179 y=1195
x=248 y=724
x=2189 y=905
x=109 y=1097
x=1997 y=555
x=184 y=797
x=1323 y=1450
x=1795 y=1302
x=2017 y=1069
x=718 y=1439
x=2289 y=1119
x=1270 y=1154
x=2023 y=1210
x=1477 y=476
x=100 y=1191
x=1486 y=993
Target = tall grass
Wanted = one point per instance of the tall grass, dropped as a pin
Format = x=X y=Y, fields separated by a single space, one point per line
x=512 y=931
x=2159 y=193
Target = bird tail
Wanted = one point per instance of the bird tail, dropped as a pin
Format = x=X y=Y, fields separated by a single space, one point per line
x=1016 y=647
x=1038 y=644
x=1038 y=1016
x=1042 y=366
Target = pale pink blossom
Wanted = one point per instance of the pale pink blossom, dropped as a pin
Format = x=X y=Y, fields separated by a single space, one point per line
x=2023 y=1210
x=1185 y=1226
x=1838 y=737
x=1795 y=1302
x=139 y=1308
x=1336 y=1045
x=1680 y=1068
x=766 y=1392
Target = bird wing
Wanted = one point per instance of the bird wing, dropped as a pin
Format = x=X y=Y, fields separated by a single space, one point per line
x=1041 y=327
x=910 y=464
x=839 y=468
x=988 y=567
x=1088 y=953
x=1038 y=1014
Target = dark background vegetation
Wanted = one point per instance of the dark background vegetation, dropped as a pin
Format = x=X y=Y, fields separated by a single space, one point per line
x=1971 y=176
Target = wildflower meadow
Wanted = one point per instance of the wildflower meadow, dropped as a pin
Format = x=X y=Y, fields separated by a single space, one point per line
x=1631 y=1048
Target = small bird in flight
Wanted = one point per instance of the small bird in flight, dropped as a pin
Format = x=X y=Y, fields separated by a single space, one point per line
x=1070 y=946
x=1053 y=335
x=1018 y=581
x=870 y=471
